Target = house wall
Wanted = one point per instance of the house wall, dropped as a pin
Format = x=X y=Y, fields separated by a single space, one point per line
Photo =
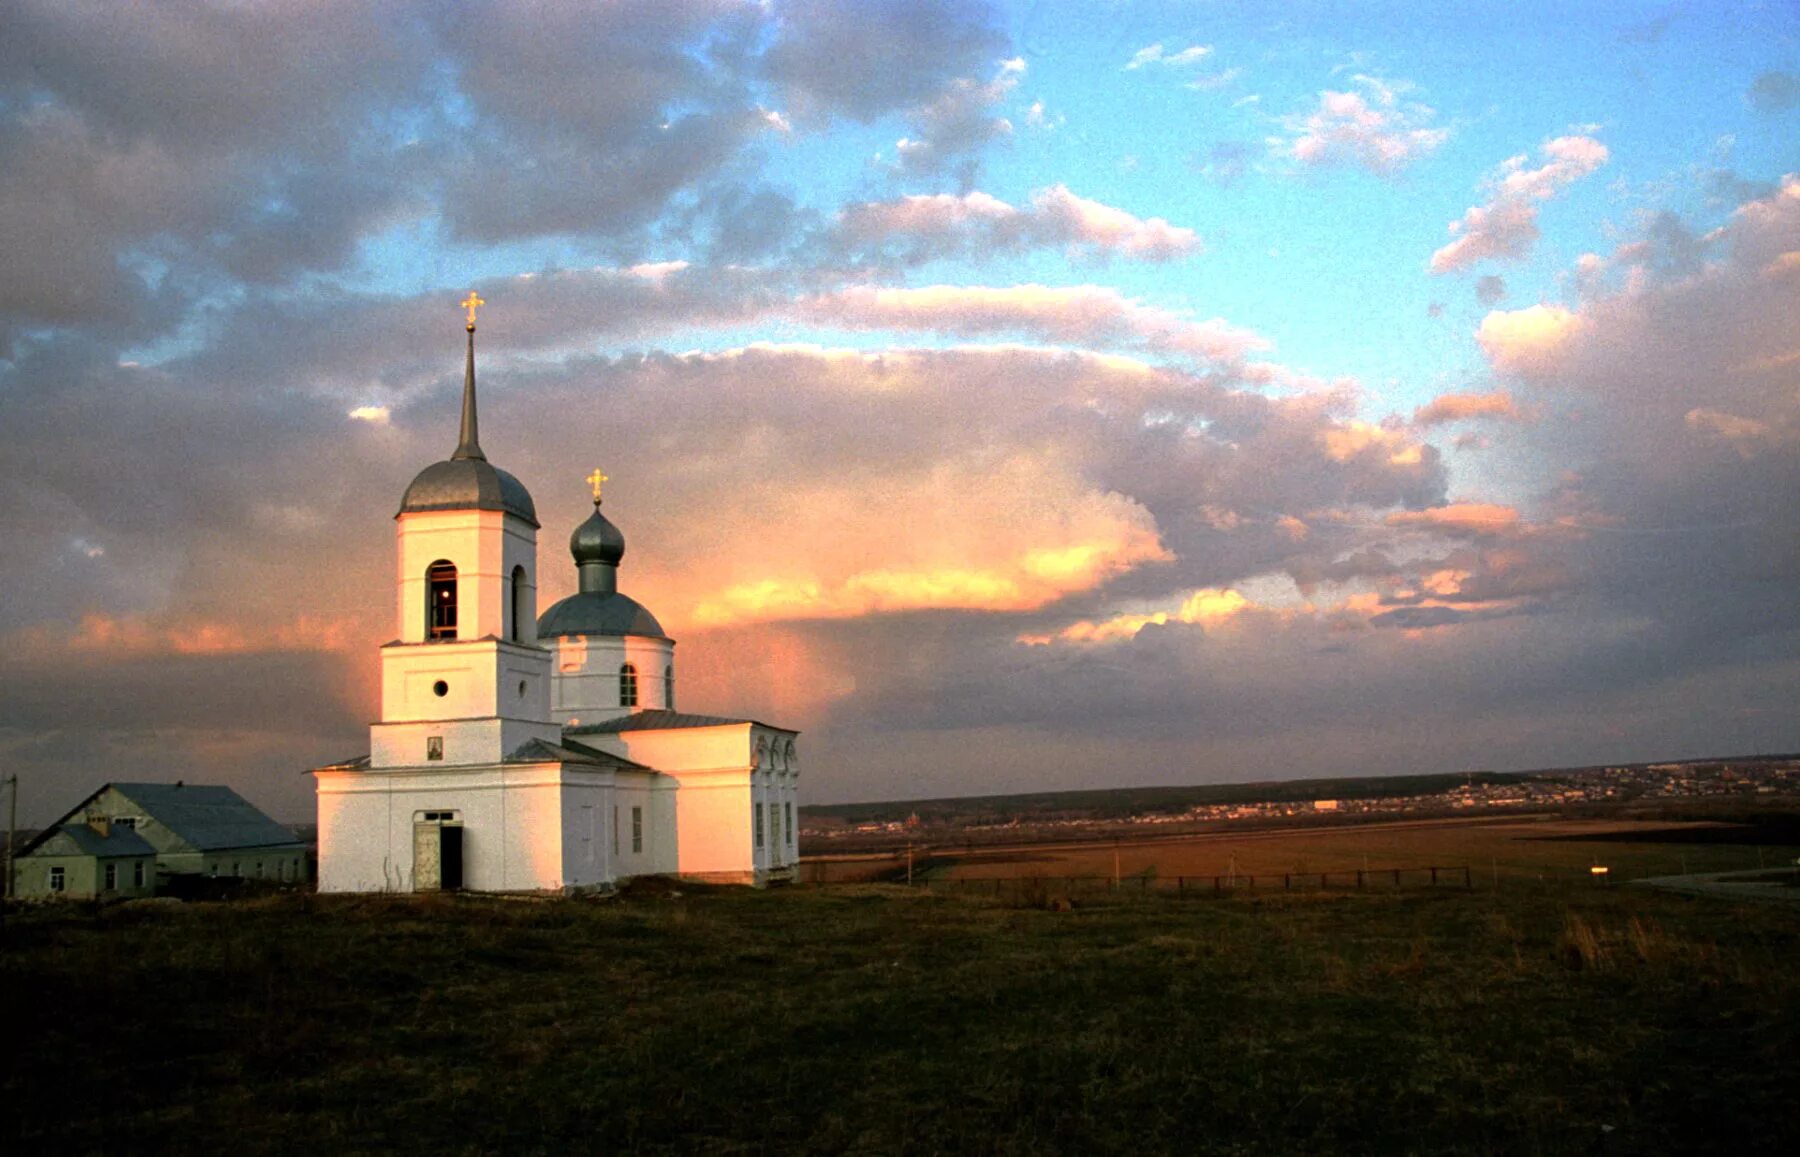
x=83 y=876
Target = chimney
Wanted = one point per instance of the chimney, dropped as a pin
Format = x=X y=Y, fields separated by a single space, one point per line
x=100 y=824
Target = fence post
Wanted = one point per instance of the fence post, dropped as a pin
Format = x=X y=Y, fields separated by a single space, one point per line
x=1286 y=882
x=1396 y=877
x=1468 y=881
x=1215 y=885
x=1434 y=877
x=1359 y=879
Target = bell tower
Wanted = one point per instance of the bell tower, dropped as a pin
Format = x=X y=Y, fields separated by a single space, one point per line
x=465 y=682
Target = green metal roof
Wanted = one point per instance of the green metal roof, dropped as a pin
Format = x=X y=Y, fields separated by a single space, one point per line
x=206 y=817
x=120 y=841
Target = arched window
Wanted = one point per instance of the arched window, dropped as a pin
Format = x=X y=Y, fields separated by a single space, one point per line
x=628 y=686
x=440 y=600
x=787 y=755
x=519 y=609
x=669 y=686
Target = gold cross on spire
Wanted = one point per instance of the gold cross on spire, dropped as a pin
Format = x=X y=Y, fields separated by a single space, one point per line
x=596 y=479
x=472 y=303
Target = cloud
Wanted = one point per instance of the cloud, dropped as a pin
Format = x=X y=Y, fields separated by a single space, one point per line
x=1774 y=92
x=1527 y=341
x=1370 y=128
x=867 y=58
x=1506 y=226
x=1490 y=290
x=1474 y=519
x=1203 y=607
x=1084 y=315
x=943 y=225
x=1154 y=55
x=1465 y=407
x=953 y=127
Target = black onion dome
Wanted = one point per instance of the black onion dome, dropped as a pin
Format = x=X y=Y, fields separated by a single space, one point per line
x=468 y=484
x=598 y=613
x=597 y=540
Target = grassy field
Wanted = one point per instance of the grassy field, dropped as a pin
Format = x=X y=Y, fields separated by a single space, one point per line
x=1541 y=848
x=1532 y=1018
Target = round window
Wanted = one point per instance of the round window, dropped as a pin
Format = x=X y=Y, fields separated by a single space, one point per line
x=440 y=688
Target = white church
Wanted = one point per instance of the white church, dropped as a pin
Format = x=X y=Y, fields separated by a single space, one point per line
x=523 y=752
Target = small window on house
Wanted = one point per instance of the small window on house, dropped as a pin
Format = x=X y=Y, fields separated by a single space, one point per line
x=212 y=870
x=637 y=830
x=236 y=868
x=137 y=874
x=434 y=747
x=56 y=879
x=129 y=823
x=112 y=877
x=628 y=686
x=669 y=687
x=440 y=600
x=759 y=825
x=615 y=842
x=259 y=869
x=519 y=607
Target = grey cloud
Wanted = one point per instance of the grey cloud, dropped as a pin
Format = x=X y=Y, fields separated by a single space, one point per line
x=1774 y=92
x=866 y=58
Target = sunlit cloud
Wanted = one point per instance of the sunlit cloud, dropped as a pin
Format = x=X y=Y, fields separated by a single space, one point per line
x=1372 y=128
x=1527 y=341
x=1506 y=226
x=1202 y=607
x=1466 y=407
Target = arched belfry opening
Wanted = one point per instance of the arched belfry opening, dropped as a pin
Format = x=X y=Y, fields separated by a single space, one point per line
x=440 y=600
x=628 y=686
x=521 y=612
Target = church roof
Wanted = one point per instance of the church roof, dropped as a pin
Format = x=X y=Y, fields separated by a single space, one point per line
x=658 y=719
x=466 y=480
x=569 y=751
x=598 y=613
x=468 y=484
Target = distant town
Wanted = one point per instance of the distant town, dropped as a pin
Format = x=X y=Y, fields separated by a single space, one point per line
x=1754 y=781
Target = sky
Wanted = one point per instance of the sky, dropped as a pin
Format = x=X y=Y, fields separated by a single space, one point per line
x=1026 y=397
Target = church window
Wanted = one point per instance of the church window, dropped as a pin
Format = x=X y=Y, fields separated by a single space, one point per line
x=628 y=691
x=440 y=600
x=637 y=830
x=56 y=879
x=519 y=608
x=112 y=876
x=774 y=825
x=759 y=825
x=440 y=688
x=790 y=820
x=434 y=747
x=669 y=686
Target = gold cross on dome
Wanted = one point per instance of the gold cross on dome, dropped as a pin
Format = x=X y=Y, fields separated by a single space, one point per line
x=472 y=303
x=596 y=479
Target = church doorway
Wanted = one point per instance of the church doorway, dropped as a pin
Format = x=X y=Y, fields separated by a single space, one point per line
x=437 y=851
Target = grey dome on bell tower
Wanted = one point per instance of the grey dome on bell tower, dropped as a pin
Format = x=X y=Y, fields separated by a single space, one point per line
x=466 y=480
x=598 y=608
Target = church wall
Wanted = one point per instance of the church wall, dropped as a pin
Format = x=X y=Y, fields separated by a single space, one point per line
x=484 y=545
x=586 y=684
x=586 y=832
x=511 y=818
x=481 y=678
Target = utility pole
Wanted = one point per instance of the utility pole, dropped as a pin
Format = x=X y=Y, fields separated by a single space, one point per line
x=12 y=828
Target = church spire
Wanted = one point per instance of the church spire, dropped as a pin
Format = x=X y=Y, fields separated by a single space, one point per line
x=470 y=444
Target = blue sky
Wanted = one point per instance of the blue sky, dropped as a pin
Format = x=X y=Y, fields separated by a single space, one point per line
x=1009 y=396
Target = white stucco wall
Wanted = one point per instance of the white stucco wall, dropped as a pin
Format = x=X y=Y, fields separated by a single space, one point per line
x=586 y=684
